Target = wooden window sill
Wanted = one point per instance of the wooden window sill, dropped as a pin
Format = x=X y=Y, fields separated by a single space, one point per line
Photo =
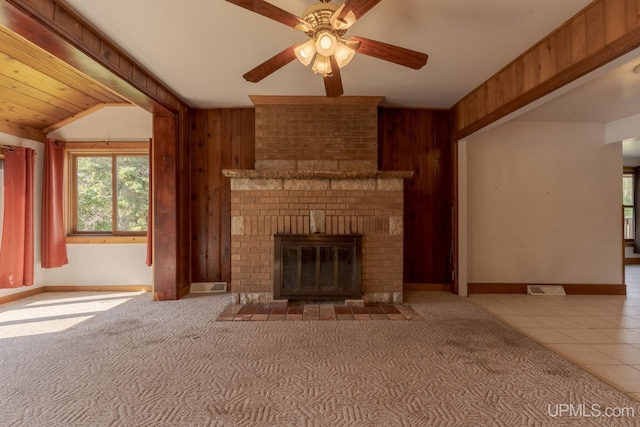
x=105 y=239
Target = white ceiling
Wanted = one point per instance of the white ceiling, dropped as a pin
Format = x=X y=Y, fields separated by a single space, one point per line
x=201 y=48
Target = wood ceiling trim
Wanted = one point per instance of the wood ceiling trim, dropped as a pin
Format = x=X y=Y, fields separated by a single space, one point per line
x=21 y=131
x=20 y=93
x=47 y=107
x=28 y=76
x=36 y=58
x=43 y=118
x=57 y=30
x=40 y=93
x=600 y=33
x=23 y=117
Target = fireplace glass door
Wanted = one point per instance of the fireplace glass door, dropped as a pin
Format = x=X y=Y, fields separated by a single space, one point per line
x=317 y=266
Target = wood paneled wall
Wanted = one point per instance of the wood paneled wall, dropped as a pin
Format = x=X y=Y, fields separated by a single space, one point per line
x=418 y=140
x=409 y=139
x=603 y=31
x=220 y=139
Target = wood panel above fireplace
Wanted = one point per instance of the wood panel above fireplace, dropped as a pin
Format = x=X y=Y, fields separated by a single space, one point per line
x=317 y=266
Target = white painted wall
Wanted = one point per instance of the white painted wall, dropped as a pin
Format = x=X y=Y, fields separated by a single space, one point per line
x=91 y=264
x=544 y=205
x=102 y=265
x=128 y=123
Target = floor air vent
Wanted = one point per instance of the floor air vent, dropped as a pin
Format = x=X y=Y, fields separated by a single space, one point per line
x=209 y=287
x=545 y=290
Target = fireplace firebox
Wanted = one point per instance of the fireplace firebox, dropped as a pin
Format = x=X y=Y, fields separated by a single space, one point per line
x=317 y=266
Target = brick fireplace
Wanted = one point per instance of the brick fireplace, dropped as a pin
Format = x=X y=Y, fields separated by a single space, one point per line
x=316 y=173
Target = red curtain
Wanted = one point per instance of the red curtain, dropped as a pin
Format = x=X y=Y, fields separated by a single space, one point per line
x=16 y=249
x=150 y=216
x=53 y=245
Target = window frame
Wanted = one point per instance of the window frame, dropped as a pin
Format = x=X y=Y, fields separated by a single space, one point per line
x=626 y=171
x=73 y=150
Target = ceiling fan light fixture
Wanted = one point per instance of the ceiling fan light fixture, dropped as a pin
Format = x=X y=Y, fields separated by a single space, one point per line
x=322 y=65
x=305 y=52
x=326 y=43
x=343 y=54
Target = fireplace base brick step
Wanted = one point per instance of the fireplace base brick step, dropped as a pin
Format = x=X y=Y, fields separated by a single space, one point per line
x=321 y=312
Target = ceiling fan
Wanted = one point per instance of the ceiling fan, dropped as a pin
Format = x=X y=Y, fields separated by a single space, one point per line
x=326 y=24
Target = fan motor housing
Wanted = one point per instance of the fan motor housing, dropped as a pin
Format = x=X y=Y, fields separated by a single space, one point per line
x=318 y=16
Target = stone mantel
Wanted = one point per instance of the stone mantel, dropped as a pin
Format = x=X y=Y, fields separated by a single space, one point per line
x=301 y=174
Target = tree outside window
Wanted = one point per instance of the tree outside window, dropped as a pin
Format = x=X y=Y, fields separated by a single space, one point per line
x=111 y=194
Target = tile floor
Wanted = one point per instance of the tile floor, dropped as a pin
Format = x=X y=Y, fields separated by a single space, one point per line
x=599 y=333
x=237 y=312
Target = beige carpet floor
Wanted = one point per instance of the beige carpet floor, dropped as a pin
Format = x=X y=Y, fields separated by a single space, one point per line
x=102 y=359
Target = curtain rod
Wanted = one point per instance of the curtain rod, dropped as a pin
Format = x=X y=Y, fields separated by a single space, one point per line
x=10 y=147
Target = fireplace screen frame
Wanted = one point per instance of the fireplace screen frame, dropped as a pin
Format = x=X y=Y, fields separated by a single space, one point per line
x=338 y=242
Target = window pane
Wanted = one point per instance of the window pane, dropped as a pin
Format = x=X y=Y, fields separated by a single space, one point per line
x=133 y=192
x=628 y=223
x=627 y=190
x=94 y=194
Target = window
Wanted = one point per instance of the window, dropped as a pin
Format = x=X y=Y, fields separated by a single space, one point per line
x=627 y=204
x=109 y=191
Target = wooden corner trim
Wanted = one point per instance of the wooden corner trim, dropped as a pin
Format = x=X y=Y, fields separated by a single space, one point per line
x=101 y=288
x=21 y=295
x=431 y=287
x=569 y=288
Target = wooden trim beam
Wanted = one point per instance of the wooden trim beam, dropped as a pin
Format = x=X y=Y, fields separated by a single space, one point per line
x=101 y=288
x=428 y=287
x=35 y=291
x=22 y=131
x=56 y=29
x=19 y=295
x=107 y=146
x=165 y=212
x=600 y=33
x=315 y=100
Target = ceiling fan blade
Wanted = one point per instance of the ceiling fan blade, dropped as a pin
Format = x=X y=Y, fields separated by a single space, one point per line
x=388 y=52
x=358 y=7
x=268 y=10
x=271 y=65
x=333 y=81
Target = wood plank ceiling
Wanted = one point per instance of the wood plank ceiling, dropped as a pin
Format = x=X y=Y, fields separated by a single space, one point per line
x=39 y=93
